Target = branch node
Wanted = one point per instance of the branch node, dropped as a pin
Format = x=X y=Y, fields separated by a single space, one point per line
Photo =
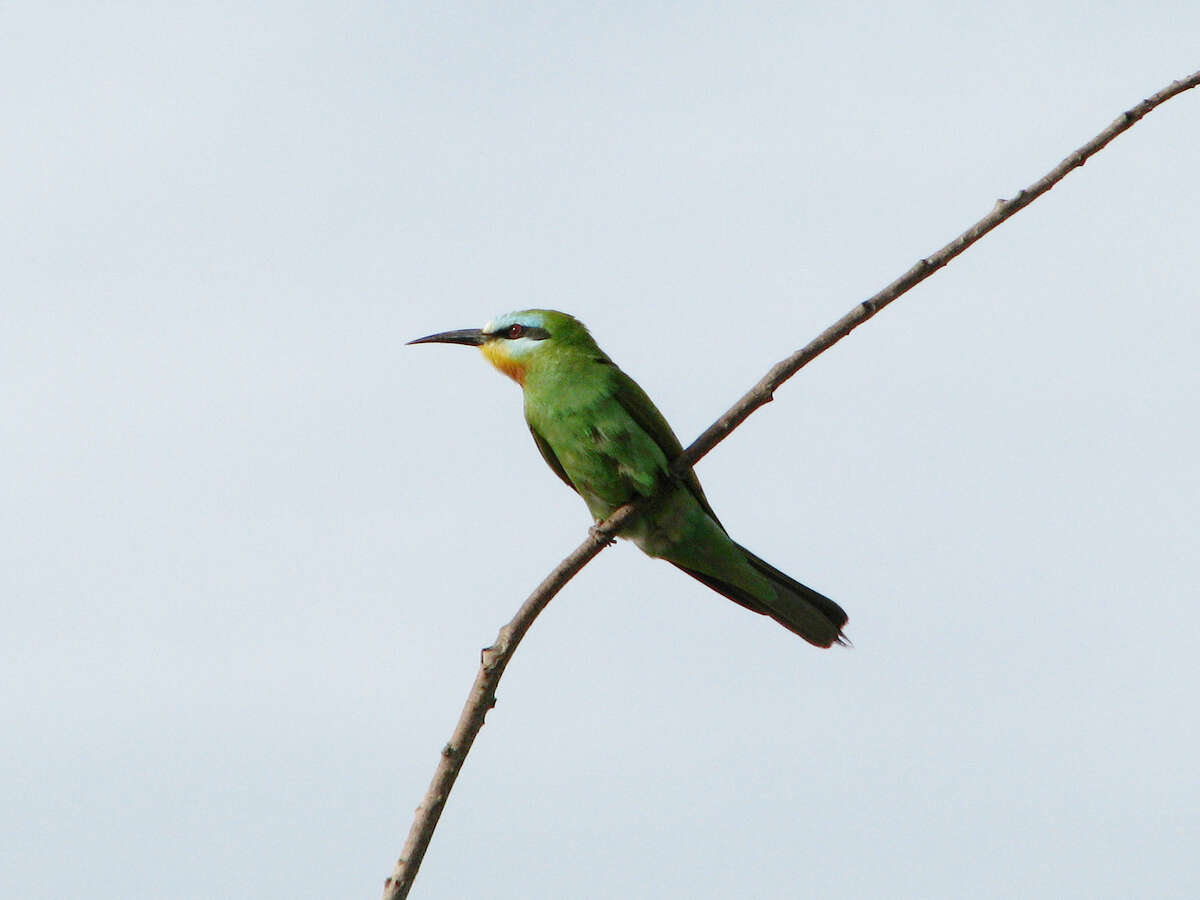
x=490 y=657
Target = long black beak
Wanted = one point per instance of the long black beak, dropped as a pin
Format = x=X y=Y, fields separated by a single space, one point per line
x=472 y=337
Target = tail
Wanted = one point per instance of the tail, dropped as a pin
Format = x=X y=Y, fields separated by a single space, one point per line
x=798 y=608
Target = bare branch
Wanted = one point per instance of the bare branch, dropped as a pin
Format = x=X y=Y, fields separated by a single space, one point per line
x=764 y=391
x=492 y=662
x=495 y=658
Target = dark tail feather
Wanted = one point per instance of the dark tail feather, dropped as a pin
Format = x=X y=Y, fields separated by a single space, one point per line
x=798 y=608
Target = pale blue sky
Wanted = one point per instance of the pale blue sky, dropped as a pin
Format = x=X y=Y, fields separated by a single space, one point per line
x=251 y=544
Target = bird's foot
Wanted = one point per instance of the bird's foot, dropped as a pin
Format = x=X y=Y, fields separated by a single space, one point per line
x=595 y=532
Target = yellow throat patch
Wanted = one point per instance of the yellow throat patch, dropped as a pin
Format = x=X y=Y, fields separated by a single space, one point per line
x=493 y=352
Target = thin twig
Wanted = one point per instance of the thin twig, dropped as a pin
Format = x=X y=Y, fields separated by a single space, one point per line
x=495 y=658
x=492 y=662
x=764 y=391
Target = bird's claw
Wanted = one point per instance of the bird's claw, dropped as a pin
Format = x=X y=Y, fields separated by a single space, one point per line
x=595 y=532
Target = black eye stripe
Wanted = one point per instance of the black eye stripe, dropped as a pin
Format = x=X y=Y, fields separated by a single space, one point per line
x=531 y=331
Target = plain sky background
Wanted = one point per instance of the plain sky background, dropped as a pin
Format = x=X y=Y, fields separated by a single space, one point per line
x=251 y=544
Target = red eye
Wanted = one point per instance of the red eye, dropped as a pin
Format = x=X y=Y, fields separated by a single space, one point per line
x=515 y=331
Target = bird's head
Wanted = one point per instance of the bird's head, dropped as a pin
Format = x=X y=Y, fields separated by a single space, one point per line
x=518 y=343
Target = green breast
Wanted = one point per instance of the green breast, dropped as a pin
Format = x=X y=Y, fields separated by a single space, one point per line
x=606 y=456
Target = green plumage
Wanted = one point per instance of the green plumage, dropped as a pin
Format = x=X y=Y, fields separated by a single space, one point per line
x=603 y=436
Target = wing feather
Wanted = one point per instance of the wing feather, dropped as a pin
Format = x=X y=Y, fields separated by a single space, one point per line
x=551 y=458
x=645 y=414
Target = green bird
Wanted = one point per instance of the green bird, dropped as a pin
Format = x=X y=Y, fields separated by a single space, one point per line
x=601 y=435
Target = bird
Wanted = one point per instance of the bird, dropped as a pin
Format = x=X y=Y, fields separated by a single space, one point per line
x=602 y=435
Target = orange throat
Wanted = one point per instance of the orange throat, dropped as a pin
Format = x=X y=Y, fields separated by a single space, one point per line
x=494 y=354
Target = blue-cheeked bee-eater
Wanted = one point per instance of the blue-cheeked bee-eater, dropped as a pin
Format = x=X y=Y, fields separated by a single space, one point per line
x=601 y=435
